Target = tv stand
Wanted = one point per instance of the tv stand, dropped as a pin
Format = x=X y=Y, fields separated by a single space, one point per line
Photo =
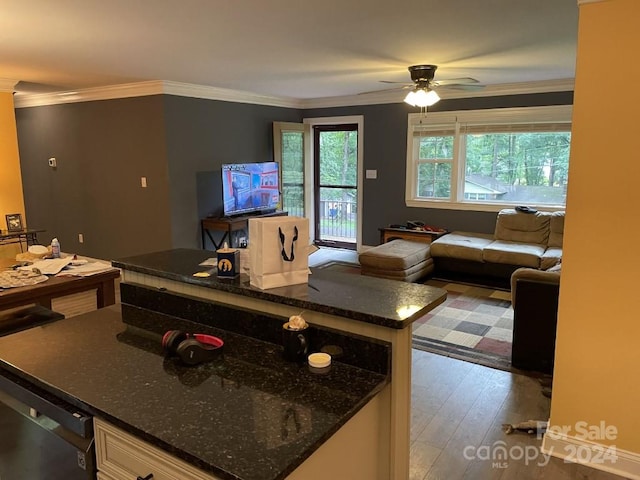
x=228 y=225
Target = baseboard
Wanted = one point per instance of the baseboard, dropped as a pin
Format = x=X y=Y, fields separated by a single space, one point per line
x=595 y=455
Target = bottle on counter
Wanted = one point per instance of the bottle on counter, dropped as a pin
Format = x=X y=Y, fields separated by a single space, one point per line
x=55 y=248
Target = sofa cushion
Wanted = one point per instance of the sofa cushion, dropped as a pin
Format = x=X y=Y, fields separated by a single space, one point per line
x=513 y=253
x=514 y=226
x=395 y=255
x=550 y=257
x=411 y=274
x=556 y=229
x=464 y=245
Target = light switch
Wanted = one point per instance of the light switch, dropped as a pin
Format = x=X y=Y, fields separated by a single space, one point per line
x=373 y=174
x=143 y=182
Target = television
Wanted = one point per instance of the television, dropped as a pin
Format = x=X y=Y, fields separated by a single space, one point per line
x=250 y=188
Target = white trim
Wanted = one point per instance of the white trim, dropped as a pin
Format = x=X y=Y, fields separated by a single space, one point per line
x=156 y=87
x=127 y=90
x=627 y=464
x=469 y=205
x=225 y=94
x=551 y=113
x=6 y=85
x=583 y=2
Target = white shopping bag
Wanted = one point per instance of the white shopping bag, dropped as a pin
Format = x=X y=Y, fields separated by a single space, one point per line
x=278 y=251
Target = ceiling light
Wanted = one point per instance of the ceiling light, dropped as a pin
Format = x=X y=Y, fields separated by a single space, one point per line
x=421 y=97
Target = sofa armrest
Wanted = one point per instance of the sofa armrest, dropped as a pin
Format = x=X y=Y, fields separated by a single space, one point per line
x=532 y=275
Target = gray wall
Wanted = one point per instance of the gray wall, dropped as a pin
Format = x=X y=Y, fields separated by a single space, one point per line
x=102 y=149
x=385 y=150
x=201 y=136
x=179 y=144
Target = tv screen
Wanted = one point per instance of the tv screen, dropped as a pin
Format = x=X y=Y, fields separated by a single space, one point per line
x=250 y=187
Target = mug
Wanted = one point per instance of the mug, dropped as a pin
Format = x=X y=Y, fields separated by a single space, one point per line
x=295 y=343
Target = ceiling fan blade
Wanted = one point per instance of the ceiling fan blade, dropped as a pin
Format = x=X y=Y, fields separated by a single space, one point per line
x=399 y=83
x=456 y=81
x=459 y=86
x=397 y=89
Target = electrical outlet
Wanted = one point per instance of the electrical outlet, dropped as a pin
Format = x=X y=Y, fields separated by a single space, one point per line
x=80 y=238
x=143 y=182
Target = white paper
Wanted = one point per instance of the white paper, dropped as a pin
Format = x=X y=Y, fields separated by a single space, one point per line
x=49 y=266
x=88 y=269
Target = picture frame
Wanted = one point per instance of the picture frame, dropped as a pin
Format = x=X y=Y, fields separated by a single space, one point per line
x=14 y=222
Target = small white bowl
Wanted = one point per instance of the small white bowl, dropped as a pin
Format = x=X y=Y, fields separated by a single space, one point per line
x=319 y=360
x=38 y=249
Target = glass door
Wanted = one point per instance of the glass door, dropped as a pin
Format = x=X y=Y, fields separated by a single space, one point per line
x=336 y=184
x=288 y=143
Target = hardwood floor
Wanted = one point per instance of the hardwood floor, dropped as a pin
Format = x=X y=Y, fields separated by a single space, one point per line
x=457 y=407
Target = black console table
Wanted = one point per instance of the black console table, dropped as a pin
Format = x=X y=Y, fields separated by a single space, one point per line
x=29 y=237
x=228 y=225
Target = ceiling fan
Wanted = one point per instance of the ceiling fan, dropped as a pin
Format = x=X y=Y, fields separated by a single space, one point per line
x=423 y=93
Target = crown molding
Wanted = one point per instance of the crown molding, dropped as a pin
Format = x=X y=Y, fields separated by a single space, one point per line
x=159 y=87
x=228 y=95
x=582 y=2
x=126 y=90
x=6 y=85
x=155 y=87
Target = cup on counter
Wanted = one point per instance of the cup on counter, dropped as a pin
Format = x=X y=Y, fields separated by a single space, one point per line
x=295 y=342
x=228 y=262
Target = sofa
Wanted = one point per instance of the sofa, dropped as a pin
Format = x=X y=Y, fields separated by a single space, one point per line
x=534 y=297
x=531 y=240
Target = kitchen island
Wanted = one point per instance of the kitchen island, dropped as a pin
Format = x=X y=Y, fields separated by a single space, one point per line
x=361 y=306
x=249 y=415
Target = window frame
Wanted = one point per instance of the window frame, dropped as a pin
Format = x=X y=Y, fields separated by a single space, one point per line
x=457 y=121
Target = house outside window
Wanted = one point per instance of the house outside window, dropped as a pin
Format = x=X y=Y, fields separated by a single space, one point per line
x=489 y=159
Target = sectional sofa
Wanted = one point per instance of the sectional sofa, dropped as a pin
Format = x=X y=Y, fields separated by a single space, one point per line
x=532 y=240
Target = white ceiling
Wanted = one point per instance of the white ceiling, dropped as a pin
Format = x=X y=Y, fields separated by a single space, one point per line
x=284 y=48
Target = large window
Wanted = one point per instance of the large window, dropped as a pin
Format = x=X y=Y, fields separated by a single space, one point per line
x=489 y=158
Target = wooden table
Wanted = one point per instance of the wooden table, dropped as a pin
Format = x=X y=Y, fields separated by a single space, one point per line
x=54 y=287
x=388 y=233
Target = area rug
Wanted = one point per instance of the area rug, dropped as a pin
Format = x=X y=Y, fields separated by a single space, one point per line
x=474 y=324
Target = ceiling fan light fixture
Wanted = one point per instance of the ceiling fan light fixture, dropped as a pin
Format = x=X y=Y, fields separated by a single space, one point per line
x=422 y=97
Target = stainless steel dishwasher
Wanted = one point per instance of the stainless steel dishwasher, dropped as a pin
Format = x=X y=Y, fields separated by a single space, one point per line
x=43 y=437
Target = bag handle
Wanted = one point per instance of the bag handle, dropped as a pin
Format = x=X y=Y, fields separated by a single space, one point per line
x=288 y=258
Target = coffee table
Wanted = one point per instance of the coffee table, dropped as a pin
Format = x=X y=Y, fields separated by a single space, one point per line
x=389 y=233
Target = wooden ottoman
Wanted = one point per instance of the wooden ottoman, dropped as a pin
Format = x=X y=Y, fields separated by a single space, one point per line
x=397 y=260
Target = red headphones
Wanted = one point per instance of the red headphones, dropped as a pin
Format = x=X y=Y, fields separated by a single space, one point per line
x=192 y=348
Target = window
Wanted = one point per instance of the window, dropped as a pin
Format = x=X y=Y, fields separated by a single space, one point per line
x=489 y=158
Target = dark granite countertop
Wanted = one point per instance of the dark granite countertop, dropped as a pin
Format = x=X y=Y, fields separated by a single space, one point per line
x=367 y=299
x=248 y=415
